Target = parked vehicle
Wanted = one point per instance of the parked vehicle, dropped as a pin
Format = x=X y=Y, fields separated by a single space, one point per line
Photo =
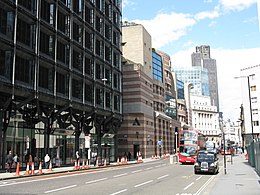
x=207 y=162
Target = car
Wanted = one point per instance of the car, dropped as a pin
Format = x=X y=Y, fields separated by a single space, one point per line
x=206 y=162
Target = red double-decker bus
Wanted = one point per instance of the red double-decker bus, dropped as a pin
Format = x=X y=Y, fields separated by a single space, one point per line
x=190 y=142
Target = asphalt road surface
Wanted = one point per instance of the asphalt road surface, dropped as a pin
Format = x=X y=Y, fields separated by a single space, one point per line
x=155 y=177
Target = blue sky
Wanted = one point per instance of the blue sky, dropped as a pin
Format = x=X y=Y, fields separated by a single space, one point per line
x=230 y=27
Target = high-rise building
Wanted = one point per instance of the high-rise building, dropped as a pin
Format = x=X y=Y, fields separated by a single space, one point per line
x=146 y=128
x=198 y=76
x=202 y=58
x=60 y=79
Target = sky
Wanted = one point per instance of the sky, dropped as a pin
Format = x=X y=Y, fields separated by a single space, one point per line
x=230 y=27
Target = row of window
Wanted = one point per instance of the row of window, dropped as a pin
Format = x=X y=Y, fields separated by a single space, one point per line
x=25 y=69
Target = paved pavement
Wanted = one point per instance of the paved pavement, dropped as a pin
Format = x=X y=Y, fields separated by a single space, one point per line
x=240 y=177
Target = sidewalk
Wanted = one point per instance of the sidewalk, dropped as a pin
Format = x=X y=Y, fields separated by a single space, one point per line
x=240 y=179
x=6 y=176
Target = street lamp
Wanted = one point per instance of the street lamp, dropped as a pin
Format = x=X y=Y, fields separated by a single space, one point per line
x=249 y=97
x=176 y=140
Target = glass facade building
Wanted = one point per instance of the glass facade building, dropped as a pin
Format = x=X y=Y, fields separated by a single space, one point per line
x=157 y=67
x=180 y=89
x=198 y=76
x=60 y=79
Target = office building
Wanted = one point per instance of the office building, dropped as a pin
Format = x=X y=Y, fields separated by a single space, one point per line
x=60 y=79
x=202 y=58
x=146 y=128
x=250 y=115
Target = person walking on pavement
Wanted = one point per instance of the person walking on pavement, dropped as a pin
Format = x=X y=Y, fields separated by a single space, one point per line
x=16 y=159
x=47 y=161
x=77 y=155
x=9 y=161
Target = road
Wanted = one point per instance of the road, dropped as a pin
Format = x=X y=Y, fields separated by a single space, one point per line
x=155 y=177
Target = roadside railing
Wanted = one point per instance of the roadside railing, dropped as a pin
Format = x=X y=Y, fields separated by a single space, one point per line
x=253 y=151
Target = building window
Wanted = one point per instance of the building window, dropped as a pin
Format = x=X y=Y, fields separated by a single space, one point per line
x=108 y=76
x=117 y=102
x=77 y=32
x=77 y=6
x=99 y=71
x=253 y=88
x=28 y=4
x=99 y=24
x=7 y=22
x=23 y=69
x=6 y=61
x=116 y=38
x=107 y=31
x=116 y=81
x=108 y=53
x=256 y=123
x=77 y=60
x=47 y=44
x=46 y=77
x=99 y=48
x=157 y=67
x=76 y=89
x=47 y=12
x=89 y=94
x=64 y=23
x=115 y=59
x=108 y=99
x=89 y=66
x=61 y=83
x=89 y=15
x=99 y=96
x=24 y=33
x=61 y=51
x=89 y=40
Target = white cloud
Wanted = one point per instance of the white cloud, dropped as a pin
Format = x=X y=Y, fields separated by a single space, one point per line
x=236 y=5
x=208 y=14
x=126 y=3
x=165 y=28
x=229 y=63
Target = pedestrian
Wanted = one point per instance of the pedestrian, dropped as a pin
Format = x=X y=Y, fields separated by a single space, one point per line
x=129 y=155
x=47 y=161
x=16 y=159
x=36 y=161
x=9 y=161
x=77 y=155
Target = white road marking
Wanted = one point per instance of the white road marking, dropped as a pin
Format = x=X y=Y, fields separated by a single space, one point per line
x=137 y=171
x=188 y=185
x=121 y=191
x=198 y=178
x=50 y=178
x=163 y=176
x=120 y=175
x=141 y=184
x=205 y=185
x=148 y=168
x=59 y=189
x=97 y=180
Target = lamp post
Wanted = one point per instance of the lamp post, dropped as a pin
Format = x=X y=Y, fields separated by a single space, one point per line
x=176 y=140
x=249 y=98
x=224 y=148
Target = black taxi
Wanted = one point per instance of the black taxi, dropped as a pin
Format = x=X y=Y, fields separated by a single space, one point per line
x=207 y=162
